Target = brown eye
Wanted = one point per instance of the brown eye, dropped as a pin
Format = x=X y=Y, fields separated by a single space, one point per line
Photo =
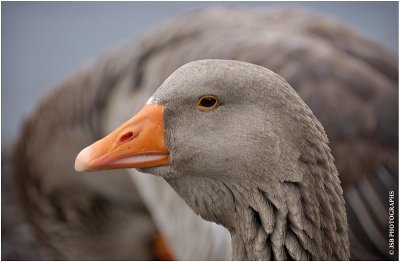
x=207 y=103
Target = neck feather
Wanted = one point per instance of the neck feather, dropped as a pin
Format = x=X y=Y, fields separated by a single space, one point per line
x=275 y=220
x=289 y=226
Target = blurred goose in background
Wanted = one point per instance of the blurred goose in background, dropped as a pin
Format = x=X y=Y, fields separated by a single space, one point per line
x=237 y=143
x=348 y=81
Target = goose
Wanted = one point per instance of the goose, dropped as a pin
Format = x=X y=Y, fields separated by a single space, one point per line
x=243 y=150
x=348 y=80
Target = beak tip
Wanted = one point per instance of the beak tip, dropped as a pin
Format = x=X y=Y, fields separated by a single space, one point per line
x=82 y=160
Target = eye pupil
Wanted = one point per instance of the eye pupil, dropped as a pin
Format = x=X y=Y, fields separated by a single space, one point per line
x=207 y=102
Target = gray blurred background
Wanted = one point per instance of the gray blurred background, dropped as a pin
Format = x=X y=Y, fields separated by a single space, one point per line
x=44 y=42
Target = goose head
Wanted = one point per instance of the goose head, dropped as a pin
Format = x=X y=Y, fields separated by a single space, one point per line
x=242 y=149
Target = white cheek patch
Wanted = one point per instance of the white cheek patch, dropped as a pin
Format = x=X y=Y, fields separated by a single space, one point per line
x=153 y=100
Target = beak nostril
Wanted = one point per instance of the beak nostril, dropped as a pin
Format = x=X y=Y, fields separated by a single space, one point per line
x=126 y=137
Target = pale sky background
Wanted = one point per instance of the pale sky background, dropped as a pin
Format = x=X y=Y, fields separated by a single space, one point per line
x=44 y=42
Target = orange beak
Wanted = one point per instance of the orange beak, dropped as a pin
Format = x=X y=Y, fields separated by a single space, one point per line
x=137 y=143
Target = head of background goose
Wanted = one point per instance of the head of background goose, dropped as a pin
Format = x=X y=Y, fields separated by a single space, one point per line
x=237 y=143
